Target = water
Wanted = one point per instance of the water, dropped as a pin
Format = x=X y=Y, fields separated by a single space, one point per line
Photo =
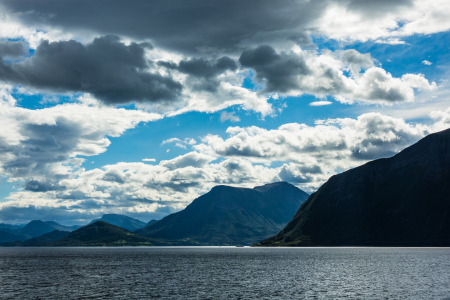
x=224 y=273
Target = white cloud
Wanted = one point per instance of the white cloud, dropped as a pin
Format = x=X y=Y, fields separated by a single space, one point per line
x=171 y=140
x=41 y=144
x=309 y=155
x=426 y=62
x=392 y=41
x=149 y=159
x=346 y=23
x=180 y=143
x=323 y=74
x=229 y=116
x=320 y=103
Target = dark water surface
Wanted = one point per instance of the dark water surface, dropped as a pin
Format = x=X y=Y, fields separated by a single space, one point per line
x=224 y=273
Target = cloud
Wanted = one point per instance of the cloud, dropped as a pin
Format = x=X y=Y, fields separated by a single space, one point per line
x=106 y=68
x=427 y=63
x=177 y=25
x=180 y=143
x=149 y=159
x=308 y=72
x=385 y=21
x=357 y=61
x=279 y=72
x=202 y=73
x=392 y=41
x=192 y=159
x=313 y=153
x=13 y=50
x=42 y=147
x=320 y=103
x=200 y=67
x=174 y=25
x=229 y=116
x=303 y=155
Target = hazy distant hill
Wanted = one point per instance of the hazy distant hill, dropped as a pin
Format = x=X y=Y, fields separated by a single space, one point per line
x=126 y=222
x=8 y=236
x=37 y=227
x=10 y=226
x=231 y=216
x=102 y=233
x=399 y=201
x=33 y=229
x=42 y=240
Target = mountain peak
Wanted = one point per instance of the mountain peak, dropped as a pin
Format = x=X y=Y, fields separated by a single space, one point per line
x=268 y=186
x=123 y=221
x=229 y=216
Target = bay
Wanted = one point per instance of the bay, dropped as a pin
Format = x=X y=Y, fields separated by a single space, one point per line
x=224 y=273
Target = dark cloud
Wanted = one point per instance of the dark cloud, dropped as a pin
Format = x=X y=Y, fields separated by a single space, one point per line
x=203 y=72
x=195 y=24
x=176 y=184
x=114 y=176
x=356 y=60
x=291 y=174
x=181 y=25
x=207 y=68
x=42 y=186
x=13 y=50
x=44 y=145
x=378 y=7
x=108 y=69
x=279 y=72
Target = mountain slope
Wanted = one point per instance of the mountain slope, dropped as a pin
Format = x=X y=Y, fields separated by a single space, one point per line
x=399 y=201
x=126 y=222
x=230 y=216
x=37 y=228
x=101 y=233
x=10 y=236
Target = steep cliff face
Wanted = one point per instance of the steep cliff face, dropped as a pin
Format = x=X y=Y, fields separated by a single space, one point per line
x=231 y=216
x=399 y=201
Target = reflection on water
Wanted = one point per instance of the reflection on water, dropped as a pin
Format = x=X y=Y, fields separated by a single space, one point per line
x=210 y=272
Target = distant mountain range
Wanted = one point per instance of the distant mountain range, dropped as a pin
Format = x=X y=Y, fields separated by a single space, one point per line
x=231 y=216
x=39 y=232
x=10 y=233
x=224 y=216
x=399 y=201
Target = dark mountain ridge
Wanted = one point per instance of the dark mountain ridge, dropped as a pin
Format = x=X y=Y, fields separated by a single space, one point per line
x=101 y=233
x=399 y=201
x=231 y=216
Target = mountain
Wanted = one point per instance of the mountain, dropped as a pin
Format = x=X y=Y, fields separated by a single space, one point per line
x=150 y=222
x=10 y=226
x=11 y=233
x=37 y=228
x=399 y=201
x=101 y=233
x=128 y=223
x=231 y=216
x=46 y=238
x=10 y=236
x=37 y=241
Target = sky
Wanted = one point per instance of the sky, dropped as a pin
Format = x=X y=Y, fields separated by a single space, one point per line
x=138 y=107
